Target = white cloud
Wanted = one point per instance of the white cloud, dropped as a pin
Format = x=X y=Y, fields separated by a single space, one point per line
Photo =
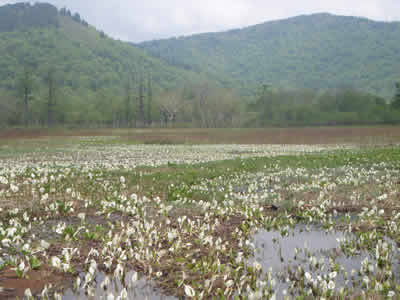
x=138 y=20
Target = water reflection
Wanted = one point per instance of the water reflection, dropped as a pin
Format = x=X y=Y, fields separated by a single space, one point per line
x=313 y=251
x=142 y=289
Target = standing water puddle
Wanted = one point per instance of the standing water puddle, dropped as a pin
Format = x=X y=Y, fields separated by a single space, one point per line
x=311 y=250
x=318 y=254
x=140 y=290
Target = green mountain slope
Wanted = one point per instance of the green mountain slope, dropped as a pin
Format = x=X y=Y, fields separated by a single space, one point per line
x=319 y=51
x=89 y=67
x=85 y=57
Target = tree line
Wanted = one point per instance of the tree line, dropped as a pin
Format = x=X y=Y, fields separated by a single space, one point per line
x=20 y=15
x=45 y=103
x=24 y=15
x=345 y=106
x=200 y=104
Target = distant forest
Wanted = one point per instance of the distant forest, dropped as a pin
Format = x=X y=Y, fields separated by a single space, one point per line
x=57 y=70
x=319 y=51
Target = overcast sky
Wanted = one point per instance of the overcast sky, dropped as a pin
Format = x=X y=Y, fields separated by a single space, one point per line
x=139 y=20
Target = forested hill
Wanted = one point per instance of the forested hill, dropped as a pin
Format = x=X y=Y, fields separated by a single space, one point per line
x=315 y=51
x=57 y=70
x=91 y=73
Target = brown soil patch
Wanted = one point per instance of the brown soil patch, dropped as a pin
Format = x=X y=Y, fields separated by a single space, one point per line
x=313 y=135
x=35 y=280
x=23 y=133
x=306 y=135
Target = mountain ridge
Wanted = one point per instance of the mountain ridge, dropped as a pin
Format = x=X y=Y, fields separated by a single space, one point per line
x=225 y=56
x=274 y=21
x=55 y=68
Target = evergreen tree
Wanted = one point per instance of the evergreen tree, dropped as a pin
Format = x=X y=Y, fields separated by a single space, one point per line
x=149 y=103
x=63 y=11
x=24 y=88
x=77 y=17
x=51 y=100
x=140 y=110
x=127 y=102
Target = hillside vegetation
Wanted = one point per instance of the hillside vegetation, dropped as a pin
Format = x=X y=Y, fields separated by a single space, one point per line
x=319 y=51
x=57 y=70
x=92 y=74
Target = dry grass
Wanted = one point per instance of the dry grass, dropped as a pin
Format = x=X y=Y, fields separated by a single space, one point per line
x=306 y=135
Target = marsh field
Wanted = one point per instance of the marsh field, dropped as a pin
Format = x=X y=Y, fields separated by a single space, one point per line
x=307 y=213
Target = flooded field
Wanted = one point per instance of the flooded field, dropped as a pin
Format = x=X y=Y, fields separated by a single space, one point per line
x=308 y=257
x=98 y=220
x=105 y=287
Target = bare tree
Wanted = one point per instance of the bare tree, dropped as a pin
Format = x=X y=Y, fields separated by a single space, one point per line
x=25 y=87
x=149 y=102
x=141 y=118
x=212 y=106
x=171 y=104
x=51 y=100
x=128 y=89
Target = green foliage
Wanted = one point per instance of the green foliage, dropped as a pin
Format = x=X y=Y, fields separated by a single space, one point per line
x=202 y=105
x=320 y=51
x=24 y=90
x=20 y=15
x=141 y=117
x=34 y=263
x=57 y=69
x=90 y=70
x=149 y=103
x=342 y=107
x=396 y=101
